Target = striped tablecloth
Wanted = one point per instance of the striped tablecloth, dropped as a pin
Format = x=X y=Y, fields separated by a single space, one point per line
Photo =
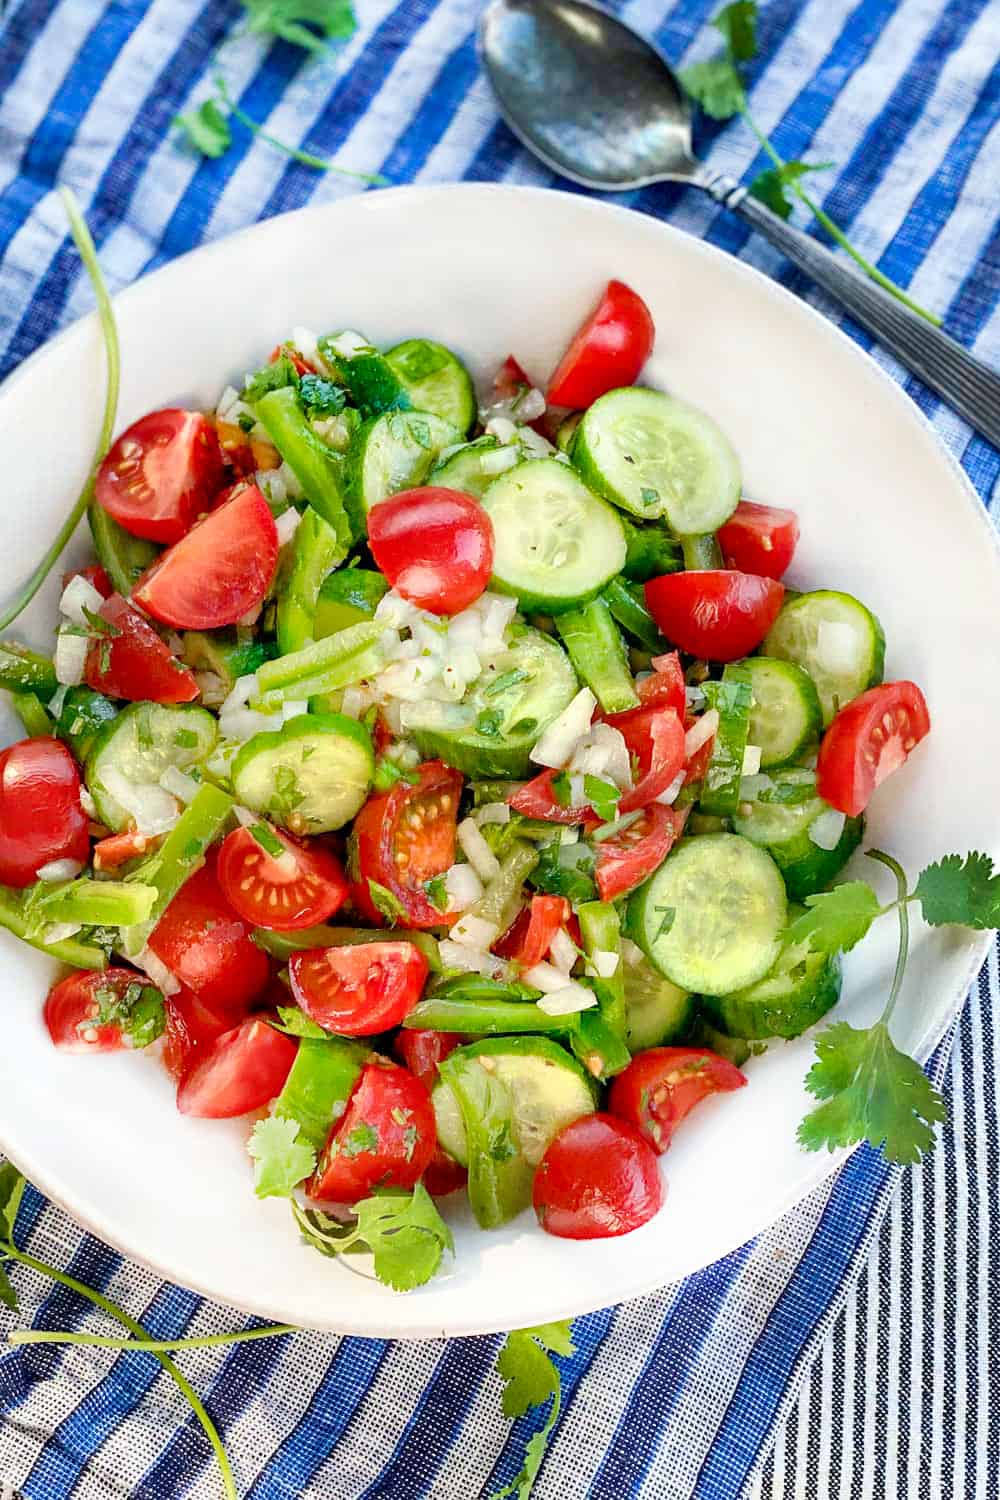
x=847 y=1353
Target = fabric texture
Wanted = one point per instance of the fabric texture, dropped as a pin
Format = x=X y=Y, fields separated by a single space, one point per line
x=777 y=1371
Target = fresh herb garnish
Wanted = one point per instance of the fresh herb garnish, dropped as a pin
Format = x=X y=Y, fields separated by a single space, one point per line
x=388 y=773
x=363 y=1138
x=282 y=1159
x=565 y=870
x=666 y=921
x=186 y=739
x=138 y=1012
x=531 y=1378
x=562 y=790
x=437 y=892
x=385 y=903
x=264 y=835
x=311 y=24
x=321 y=397
x=603 y=797
x=273 y=377
x=295 y=1022
x=287 y=794
x=489 y=722
x=404 y=1232
x=506 y=680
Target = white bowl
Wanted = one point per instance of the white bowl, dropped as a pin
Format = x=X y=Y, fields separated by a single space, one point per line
x=885 y=514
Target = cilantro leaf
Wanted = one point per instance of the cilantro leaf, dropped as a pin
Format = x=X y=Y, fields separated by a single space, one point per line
x=872 y=1092
x=565 y=870
x=304 y=23
x=206 y=128
x=964 y=893
x=7 y=1293
x=12 y=1186
x=530 y=1379
x=295 y=1022
x=603 y=797
x=771 y=187
x=437 y=893
x=363 y=1139
x=406 y=1235
x=716 y=86
x=836 y=920
x=738 y=24
x=281 y=1158
x=388 y=905
x=322 y=396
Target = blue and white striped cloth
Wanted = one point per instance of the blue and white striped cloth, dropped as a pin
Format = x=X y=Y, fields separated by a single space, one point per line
x=779 y=1371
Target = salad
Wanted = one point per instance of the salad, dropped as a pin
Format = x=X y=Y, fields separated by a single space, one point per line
x=445 y=789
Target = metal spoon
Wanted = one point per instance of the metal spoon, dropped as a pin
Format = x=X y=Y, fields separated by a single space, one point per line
x=599 y=105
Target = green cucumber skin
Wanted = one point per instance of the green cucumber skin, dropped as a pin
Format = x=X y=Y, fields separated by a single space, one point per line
x=457 y=404
x=463 y=470
x=774 y=645
x=657 y=1011
x=720 y=790
x=808 y=870
x=319 y=1085
x=180 y=716
x=282 y=745
x=122 y=556
x=769 y=1009
x=792 y=747
x=359 y=494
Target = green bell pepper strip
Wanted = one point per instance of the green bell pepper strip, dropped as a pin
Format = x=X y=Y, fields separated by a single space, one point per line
x=601 y=1050
x=33 y=714
x=650 y=550
x=179 y=856
x=336 y=662
x=93 y=903
x=597 y=652
x=84 y=712
x=222 y=652
x=74 y=951
x=485 y=1017
x=348 y=597
x=25 y=671
x=282 y=945
x=628 y=606
x=701 y=553
x=499 y=901
x=499 y=1177
x=732 y=698
x=317 y=468
x=316 y=549
x=321 y=1081
x=600 y=929
x=122 y=556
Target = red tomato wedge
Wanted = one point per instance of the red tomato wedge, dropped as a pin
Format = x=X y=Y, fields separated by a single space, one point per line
x=655 y=736
x=867 y=741
x=161 y=474
x=536 y=799
x=528 y=938
x=192 y=1025
x=608 y=351
x=132 y=662
x=403 y=838
x=358 y=990
x=661 y=1086
x=217 y=573
x=73 y=1005
x=666 y=687
x=385 y=1138
x=628 y=859
x=207 y=946
x=41 y=819
x=598 y=1178
x=421 y=1052
x=242 y=1070
x=435 y=546
x=717 y=614
x=760 y=539
x=510 y=380
x=276 y=881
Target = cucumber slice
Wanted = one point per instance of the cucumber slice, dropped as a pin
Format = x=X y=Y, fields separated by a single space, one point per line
x=656 y=1010
x=731 y=698
x=567 y=431
x=834 y=638
x=800 y=989
x=372 y=384
x=779 y=819
x=139 y=744
x=548 y=1087
x=435 y=380
x=83 y=715
x=656 y=456
x=709 y=918
x=786 y=717
x=464 y=470
x=555 y=544
x=393 y=452
x=223 y=654
x=311 y=776
x=348 y=597
x=520 y=692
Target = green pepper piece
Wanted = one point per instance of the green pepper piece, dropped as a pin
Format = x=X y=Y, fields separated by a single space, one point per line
x=93 y=903
x=33 y=714
x=323 y=666
x=597 y=651
x=598 y=1046
x=628 y=606
x=501 y=898
x=732 y=698
x=701 y=553
x=316 y=550
x=75 y=951
x=282 y=945
x=84 y=712
x=222 y=652
x=485 y=1017
x=179 y=856
x=317 y=468
x=500 y=1178
x=321 y=1081
x=600 y=929
x=25 y=671
x=651 y=550
x=122 y=556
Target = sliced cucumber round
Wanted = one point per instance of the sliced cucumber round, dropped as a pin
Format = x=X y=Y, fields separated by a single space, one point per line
x=435 y=380
x=709 y=918
x=139 y=744
x=785 y=717
x=311 y=776
x=779 y=820
x=549 y=1089
x=520 y=692
x=656 y=456
x=656 y=1010
x=555 y=544
x=463 y=470
x=567 y=431
x=800 y=989
x=395 y=451
x=834 y=638
x=347 y=597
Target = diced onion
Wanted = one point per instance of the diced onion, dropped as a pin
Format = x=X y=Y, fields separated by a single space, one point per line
x=348 y=344
x=477 y=851
x=58 y=932
x=534 y=445
x=287 y=525
x=153 y=809
x=632 y=953
x=304 y=340
x=492 y=812
x=701 y=732
x=474 y=932
x=530 y=406
x=179 y=785
x=78 y=595
x=836 y=648
x=555 y=746
x=567 y=1001
x=472 y=960
x=70 y=657
x=157 y=971
x=496 y=460
x=502 y=428
x=826 y=830
x=545 y=977
x=670 y=794
x=464 y=887
x=87 y=803
x=60 y=869
x=605 y=962
x=603 y=752
x=245 y=817
x=562 y=951
x=751 y=760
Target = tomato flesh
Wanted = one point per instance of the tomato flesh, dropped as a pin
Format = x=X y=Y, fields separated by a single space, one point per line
x=242 y=1070
x=627 y=860
x=597 y=1179
x=161 y=474
x=207 y=946
x=666 y=687
x=385 y=1138
x=537 y=799
x=192 y=1025
x=95 y=576
x=361 y=989
x=529 y=937
x=422 y=1052
x=220 y=571
x=299 y=887
x=718 y=614
x=608 y=351
x=403 y=838
x=73 y=1004
x=869 y=739
x=661 y=1086
x=132 y=662
x=655 y=736
x=435 y=546
x=760 y=539
x=41 y=819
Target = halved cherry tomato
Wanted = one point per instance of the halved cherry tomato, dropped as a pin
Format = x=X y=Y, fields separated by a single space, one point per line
x=242 y=1070
x=95 y=575
x=666 y=688
x=297 y=888
x=598 y=1178
x=625 y=861
x=421 y=1052
x=659 y=1087
x=302 y=365
x=435 y=546
x=132 y=662
x=359 y=990
x=192 y=1025
x=718 y=614
x=207 y=946
x=385 y=1138
x=403 y=838
x=217 y=573
x=537 y=799
x=118 y=848
x=529 y=937
x=74 y=1003
x=759 y=539
x=41 y=819
x=161 y=474
x=655 y=736
x=609 y=350
x=869 y=739
x=510 y=380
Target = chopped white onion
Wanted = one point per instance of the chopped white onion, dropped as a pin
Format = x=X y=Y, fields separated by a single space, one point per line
x=78 y=595
x=701 y=732
x=562 y=951
x=58 y=932
x=211 y=689
x=305 y=341
x=602 y=751
x=567 y=1001
x=530 y=406
x=605 y=962
x=534 y=445
x=60 y=869
x=153 y=809
x=502 y=428
x=836 y=646
x=70 y=657
x=157 y=971
x=464 y=887
x=670 y=794
x=87 y=803
x=287 y=525
x=348 y=344
x=477 y=851
x=185 y=788
x=57 y=701
x=555 y=746
x=245 y=816
x=545 y=977
x=474 y=932
x=251 y=617
x=751 y=760
x=752 y=786
x=294 y=708
x=826 y=830
x=632 y=953
x=473 y=960
x=496 y=460
x=492 y=812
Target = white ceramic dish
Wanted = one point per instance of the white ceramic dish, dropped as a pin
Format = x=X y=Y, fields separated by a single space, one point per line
x=885 y=513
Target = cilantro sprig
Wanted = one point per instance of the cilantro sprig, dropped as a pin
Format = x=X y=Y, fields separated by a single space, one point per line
x=716 y=85
x=404 y=1232
x=531 y=1378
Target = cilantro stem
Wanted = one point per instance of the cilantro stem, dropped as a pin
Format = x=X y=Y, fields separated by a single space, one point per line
x=150 y=1346
x=904 y=927
x=88 y=254
x=318 y=163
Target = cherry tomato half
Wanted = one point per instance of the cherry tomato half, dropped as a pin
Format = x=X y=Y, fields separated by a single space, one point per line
x=405 y=837
x=242 y=1070
x=41 y=819
x=161 y=474
x=132 y=662
x=298 y=887
x=869 y=739
x=717 y=614
x=217 y=573
x=598 y=1178
x=659 y=1087
x=421 y=1052
x=760 y=539
x=608 y=351
x=73 y=1005
x=627 y=860
x=435 y=546
x=529 y=937
x=655 y=736
x=192 y=1025
x=358 y=990
x=537 y=799
x=207 y=946
x=385 y=1138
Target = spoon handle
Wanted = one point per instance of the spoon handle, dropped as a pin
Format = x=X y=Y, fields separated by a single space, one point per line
x=964 y=382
